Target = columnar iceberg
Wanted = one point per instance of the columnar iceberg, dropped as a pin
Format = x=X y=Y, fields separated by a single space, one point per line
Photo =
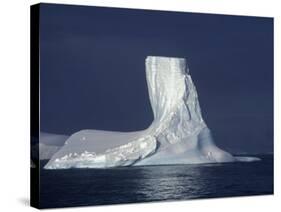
x=178 y=134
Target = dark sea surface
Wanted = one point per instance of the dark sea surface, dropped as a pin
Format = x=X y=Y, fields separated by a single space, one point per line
x=82 y=187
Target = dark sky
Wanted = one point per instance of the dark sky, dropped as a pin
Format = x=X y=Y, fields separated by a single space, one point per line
x=93 y=75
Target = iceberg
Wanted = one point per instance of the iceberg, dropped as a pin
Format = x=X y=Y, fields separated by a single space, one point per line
x=177 y=135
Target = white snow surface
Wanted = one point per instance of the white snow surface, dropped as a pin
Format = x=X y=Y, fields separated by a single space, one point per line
x=178 y=134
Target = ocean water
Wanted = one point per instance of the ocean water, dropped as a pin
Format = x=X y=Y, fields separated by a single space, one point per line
x=82 y=187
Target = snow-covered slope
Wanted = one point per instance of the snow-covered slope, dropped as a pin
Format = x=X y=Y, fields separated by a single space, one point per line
x=178 y=134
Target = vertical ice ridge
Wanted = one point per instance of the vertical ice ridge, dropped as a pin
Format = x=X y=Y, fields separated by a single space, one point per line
x=174 y=101
x=165 y=80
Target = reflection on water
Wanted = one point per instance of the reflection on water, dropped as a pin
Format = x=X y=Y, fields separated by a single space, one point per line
x=168 y=182
x=61 y=188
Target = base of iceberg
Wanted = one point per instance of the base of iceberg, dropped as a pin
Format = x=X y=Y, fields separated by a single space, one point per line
x=178 y=134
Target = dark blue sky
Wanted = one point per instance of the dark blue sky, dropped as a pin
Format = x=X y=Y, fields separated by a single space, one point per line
x=93 y=75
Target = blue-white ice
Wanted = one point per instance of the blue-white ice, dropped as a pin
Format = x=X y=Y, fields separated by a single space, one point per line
x=178 y=134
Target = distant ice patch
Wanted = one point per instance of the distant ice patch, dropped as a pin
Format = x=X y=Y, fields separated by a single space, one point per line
x=247 y=159
x=49 y=144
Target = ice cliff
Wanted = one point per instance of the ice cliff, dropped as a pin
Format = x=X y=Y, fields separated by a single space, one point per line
x=178 y=134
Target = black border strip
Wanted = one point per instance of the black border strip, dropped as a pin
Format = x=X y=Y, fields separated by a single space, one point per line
x=34 y=104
